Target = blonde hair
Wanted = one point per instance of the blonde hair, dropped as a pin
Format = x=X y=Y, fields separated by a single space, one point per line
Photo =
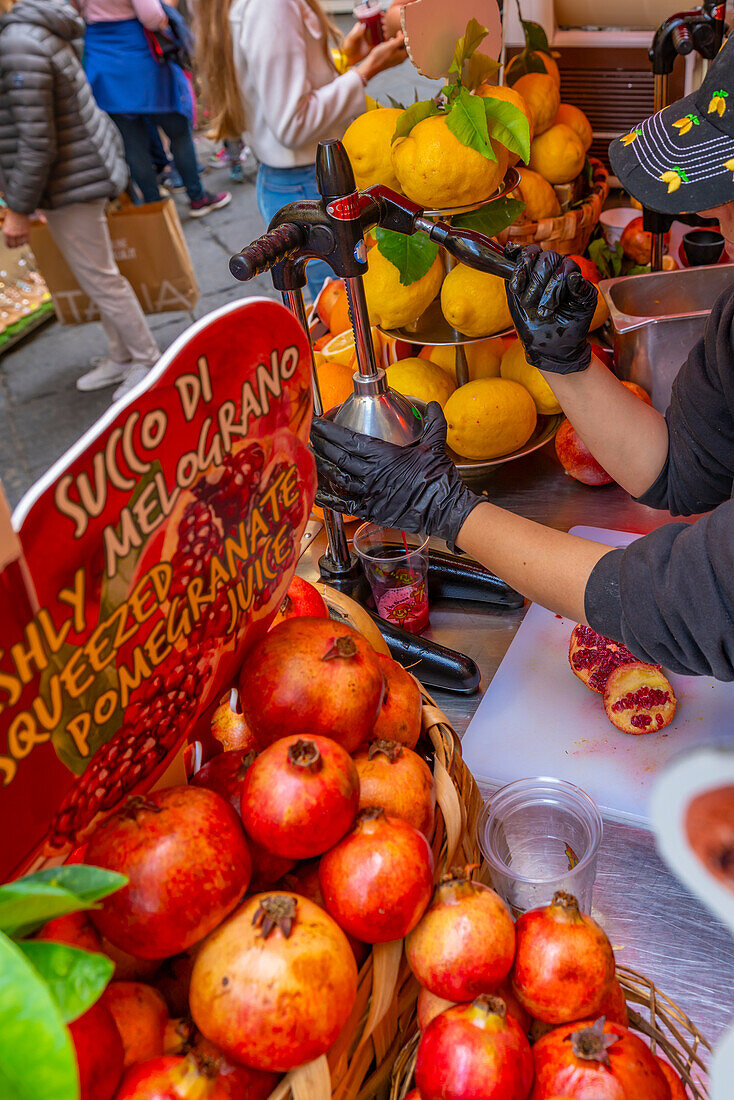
x=216 y=68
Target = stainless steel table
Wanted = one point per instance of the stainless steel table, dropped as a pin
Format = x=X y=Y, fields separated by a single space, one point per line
x=655 y=924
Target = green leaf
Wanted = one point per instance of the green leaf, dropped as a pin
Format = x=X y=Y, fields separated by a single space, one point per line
x=89 y=883
x=588 y=172
x=492 y=219
x=467 y=121
x=535 y=37
x=473 y=36
x=477 y=69
x=424 y=108
x=75 y=978
x=29 y=902
x=507 y=124
x=37 y=1059
x=526 y=62
x=395 y=103
x=608 y=260
x=413 y=256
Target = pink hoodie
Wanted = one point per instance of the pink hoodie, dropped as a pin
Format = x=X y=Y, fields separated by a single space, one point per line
x=149 y=12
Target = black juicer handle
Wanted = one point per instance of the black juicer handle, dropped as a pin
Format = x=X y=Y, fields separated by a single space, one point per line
x=431 y=663
x=469 y=247
x=267 y=251
x=458 y=578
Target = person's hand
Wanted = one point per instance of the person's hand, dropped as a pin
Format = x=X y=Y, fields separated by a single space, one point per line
x=386 y=55
x=16 y=229
x=355 y=46
x=552 y=307
x=415 y=488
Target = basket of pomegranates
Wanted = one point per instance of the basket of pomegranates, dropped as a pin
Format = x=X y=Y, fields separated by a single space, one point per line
x=562 y=1020
x=259 y=944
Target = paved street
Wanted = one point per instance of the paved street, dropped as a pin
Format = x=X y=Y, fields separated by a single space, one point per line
x=41 y=411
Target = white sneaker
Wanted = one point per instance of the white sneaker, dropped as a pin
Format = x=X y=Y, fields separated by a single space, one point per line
x=105 y=372
x=133 y=376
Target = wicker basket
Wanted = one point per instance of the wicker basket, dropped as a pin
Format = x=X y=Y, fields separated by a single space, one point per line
x=569 y=232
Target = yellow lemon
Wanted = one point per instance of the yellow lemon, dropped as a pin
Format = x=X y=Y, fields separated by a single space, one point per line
x=341 y=348
x=507 y=95
x=474 y=302
x=515 y=65
x=368 y=141
x=489 y=418
x=483 y=358
x=392 y=305
x=542 y=96
x=577 y=120
x=515 y=368
x=557 y=154
x=540 y=199
x=420 y=378
x=436 y=170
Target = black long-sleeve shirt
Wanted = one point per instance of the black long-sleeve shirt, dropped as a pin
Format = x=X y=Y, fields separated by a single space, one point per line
x=670 y=595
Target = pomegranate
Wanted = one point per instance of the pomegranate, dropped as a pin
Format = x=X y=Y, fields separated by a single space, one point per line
x=474 y=1052
x=377 y=881
x=675 y=1083
x=639 y=698
x=614 y=1005
x=396 y=778
x=230 y=729
x=709 y=826
x=429 y=1006
x=273 y=986
x=576 y=458
x=185 y=855
x=592 y=656
x=299 y=796
x=301 y=599
x=312 y=677
x=225 y=774
x=99 y=1053
x=564 y=962
x=73 y=929
x=172 y=981
x=637 y=242
x=465 y=942
x=597 y=1059
x=400 y=716
x=141 y=1015
x=304 y=880
x=173 y=1077
x=179 y=1036
x=239 y=1082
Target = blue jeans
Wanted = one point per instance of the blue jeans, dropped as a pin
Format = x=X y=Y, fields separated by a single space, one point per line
x=136 y=138
x=276 y=187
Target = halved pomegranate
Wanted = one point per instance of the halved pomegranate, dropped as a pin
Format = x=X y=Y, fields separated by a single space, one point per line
x=592 y=656
x=639 y=698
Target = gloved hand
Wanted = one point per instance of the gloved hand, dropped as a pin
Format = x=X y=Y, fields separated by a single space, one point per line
x=415 y=488
x=552 y=306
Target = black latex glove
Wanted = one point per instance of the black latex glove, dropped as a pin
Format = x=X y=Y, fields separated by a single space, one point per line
x=414 y=488
x=552 y=306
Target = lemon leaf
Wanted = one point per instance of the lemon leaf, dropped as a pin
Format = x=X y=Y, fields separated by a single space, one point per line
x=467 y=121
x=425 y=108
x=493 y=218
x=535 y=37
x=473 y=36
x=507 y=124
x=477 y=69
x=527 y=62
x=413 y=256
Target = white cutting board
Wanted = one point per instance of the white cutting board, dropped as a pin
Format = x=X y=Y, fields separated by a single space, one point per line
x=537 y=719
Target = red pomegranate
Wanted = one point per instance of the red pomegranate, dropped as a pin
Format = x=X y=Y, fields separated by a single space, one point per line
x=73 y=929
x=184 y=852
x=576 y=458
x=225 y=774
x=464 y=944
x=637 y=242
x=141 y=1015
x=378 y=880
x=428 y=1006
x=180 y=1035
x=639 y=698
x=230 y=729
x=597 y=1059
x=299 y=796
x=400 y=715
x=314 y=678
x=273 y=986
x=675 y=1082
x=301 y=599
x=614 y=1005
x=474 y=1052
x=173 y=1077
x=239 y=1082
x=592 y=656
x=99 y=1053
x=564 y=963
x=396 y=778
x=303 y=879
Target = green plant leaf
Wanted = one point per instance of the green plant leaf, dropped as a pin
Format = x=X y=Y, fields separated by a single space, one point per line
x=492 y=219
x=473 y=36
x=29 y=902
x=535 y=37
x=608 y=260
x=413 y=256
x=507 y=124
x=588 y=172
x=37 y=1059
x=74 y=977
x=394 y=103
x=477 y=69
x=87 y=882
x=527 y=62
x=411 y=116
x=467 y=121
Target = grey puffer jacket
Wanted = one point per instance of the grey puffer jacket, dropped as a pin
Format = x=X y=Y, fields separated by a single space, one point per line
x=56 y=145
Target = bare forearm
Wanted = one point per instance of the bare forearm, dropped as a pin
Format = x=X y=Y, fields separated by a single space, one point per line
x=626 y=436
x=549 y=567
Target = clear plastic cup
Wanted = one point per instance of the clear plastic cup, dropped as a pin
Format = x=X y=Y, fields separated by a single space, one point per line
x=396 y=566
x=538 y=836
x=370 y=13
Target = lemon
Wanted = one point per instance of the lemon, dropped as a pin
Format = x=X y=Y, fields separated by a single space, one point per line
x=483 y=358
x=368 y=141
x=558 y=154
x=507 y=95
x=392 y=305
x=474 y=302
x=548 y=62
x=539 y=197
x=437 y=171
x=577 y=120
x=542 y=96
x=515 y=368
x=489 y=418
x=420 y=378
x=341 y=348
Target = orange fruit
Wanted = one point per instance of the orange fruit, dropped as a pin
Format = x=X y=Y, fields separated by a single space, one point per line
x=327 y=299
x=322 y=341
x=335 y=383
x=339 y=316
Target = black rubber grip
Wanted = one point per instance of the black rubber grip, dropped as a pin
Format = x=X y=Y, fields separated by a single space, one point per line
x=433 y=664
x=267 y=251
x=473 y=249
